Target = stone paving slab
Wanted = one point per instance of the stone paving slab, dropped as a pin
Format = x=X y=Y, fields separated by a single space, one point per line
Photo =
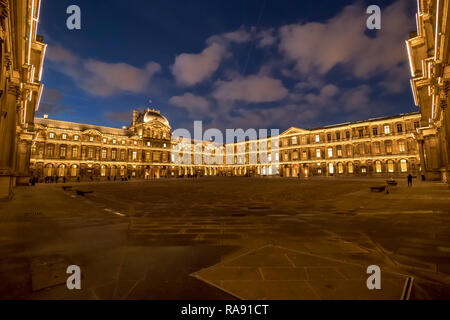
x=278 y=273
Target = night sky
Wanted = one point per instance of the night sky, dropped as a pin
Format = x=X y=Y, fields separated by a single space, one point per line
x=231 y=63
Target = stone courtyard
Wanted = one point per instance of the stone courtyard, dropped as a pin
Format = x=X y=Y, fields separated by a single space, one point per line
x=226 y=238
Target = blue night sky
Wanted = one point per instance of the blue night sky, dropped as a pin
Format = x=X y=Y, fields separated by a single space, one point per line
x=231 y=63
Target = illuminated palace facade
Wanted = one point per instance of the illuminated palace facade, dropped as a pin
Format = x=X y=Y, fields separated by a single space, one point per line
x=146 y=149
x=21 y=56
x=429 y=57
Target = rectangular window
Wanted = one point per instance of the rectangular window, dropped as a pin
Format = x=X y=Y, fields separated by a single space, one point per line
x=403 y=165
x=50 y=151
x=338 y=136
x=91 y=139
x=375 y=131
x=387 y=129
x=339 y=152
x=62 y=151
x=75 y=152
x=347 y=134
x=303 y=139
x=401 y=146
x=317 y=138
x=330 y=152
x=399 y=128
x=361 y=133
x=318 y=153
x=294 y=140
x=376 y=147
x=134 y=155
x=304 y=155
x=122 y=155
x=90 y=153
x=64 y=136
x=389 y=147
x=105 y=140
x=75 y=138
x=113 y=154
x=416 y=124
x=329 y=136
x=104 y=153
x=51 y=135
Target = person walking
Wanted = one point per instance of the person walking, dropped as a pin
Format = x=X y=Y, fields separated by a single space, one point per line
x=410 y=177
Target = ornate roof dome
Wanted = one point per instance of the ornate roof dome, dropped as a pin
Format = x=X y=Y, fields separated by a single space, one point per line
x=153 y=115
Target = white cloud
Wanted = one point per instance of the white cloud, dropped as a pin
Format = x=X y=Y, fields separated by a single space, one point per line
x=192 y=68
x=318 y=47
x=102 y=78
x=196 y=106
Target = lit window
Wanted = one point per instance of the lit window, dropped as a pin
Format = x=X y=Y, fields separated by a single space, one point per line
x=113 y=154
x=104 y=154
x=105 y=140
x=390 y=166
x=103 y=171
x=378 y=166
x=75 y=138
x=401 y=146
x=270 y=157
x=134 y=155
x=148 y=144
x=51 y=135
x=114 y=141
x=62 y=151
x=340 y=168
x=330 y=168
x=388 y=146
x=318 y=153
x=317 y=138
x=294 y=140
x=363 y=170
x=387 y=129
x=64 y=136
x=339 y=152
x=403 y=165
x=90 y=153
x=350 y=167
x=277 y=157
x=135 y=142
x=165 y=145
x=330 y=152
x=91 y=139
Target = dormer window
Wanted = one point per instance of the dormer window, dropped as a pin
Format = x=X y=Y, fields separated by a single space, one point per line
x=91 y=139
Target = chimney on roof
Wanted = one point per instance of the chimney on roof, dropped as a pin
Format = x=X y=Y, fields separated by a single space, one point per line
x=135 y=115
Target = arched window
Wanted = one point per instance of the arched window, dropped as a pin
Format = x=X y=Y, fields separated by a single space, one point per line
x=403 y=165
x=73 y=171
x=330 y=168
x=103 y=171
x=350 y=167
x=378 y=166
x=61 y=170
x=390 y=165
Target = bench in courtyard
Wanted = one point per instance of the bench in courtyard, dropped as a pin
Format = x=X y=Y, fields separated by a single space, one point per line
x=378 y=189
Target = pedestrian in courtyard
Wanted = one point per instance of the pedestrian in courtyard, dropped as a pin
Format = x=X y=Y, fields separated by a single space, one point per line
x=410 y=177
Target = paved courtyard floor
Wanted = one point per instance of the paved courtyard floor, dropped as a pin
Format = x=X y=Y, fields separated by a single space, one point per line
x=226 y=238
